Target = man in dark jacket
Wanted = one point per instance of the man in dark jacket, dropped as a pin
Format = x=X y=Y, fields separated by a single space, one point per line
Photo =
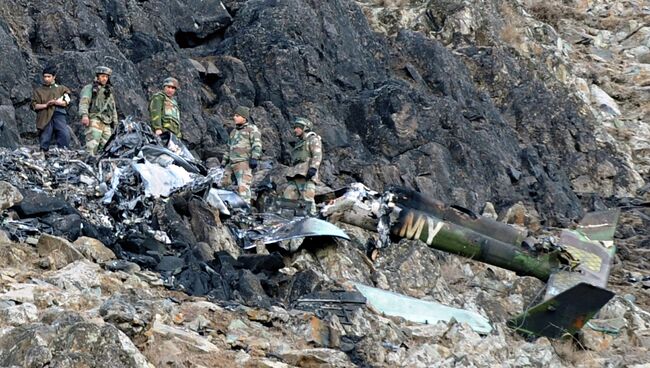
x=50 y=101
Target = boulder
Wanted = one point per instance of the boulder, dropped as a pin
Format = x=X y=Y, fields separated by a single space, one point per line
x=9 y=195
x=93 y=249
x=58 y=251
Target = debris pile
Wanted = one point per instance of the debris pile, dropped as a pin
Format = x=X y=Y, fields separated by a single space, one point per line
x=156 y=207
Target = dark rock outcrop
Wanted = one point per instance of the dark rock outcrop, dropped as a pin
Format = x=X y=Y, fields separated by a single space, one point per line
x=403 y=110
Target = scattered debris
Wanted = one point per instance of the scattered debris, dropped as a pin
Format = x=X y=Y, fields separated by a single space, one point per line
x=576 y=269
x=421 y=311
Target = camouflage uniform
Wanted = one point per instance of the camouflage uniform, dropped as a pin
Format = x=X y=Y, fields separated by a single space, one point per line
x=98 y=103
x=306 y=154
x=244 y=144
x=164 y=111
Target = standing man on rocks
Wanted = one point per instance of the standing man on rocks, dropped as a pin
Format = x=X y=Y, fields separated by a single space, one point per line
x=306 y=157
x=97 y=110
x=163 y=109
x=49 y=101
x=244 y=149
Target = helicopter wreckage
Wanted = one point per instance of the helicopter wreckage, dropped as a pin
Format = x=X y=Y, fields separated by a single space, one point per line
x=135 y=196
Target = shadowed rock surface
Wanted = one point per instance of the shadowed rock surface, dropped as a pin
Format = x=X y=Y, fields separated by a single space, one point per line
x=538 y=110
x=473 y=125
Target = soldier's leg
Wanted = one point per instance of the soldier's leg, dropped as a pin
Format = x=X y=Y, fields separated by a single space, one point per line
x=308 y=193
x=93 y=133
x=244 y=177
x=291 y=191
x=107 y=131
x=61 y=130
x=45 y=136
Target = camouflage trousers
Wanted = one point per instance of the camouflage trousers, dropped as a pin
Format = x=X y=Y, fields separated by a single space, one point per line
x=301 y=188
x=173 y=127
x=243 y=178
x=97 y=134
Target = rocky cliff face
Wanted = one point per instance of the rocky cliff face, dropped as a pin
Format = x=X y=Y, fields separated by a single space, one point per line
x=456 y=111
x=468 y=102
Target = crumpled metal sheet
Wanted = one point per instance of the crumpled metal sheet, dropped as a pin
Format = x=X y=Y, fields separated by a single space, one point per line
x=303 y=227
x=231 y=199
x=151 y=153
x=214 y=200
x=162 y=181
x=421 y=311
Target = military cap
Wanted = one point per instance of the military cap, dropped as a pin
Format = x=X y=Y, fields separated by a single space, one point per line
x=172 y=82
x=304 y=123
x=103 y=70
x=243 y=111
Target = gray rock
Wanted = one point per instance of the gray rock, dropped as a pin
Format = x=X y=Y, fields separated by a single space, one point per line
x=644 y=58
x=71 y=345
x=317 y=358
x=122 y=265
x=93 y=249
x=9 y=195
x=76 y=277
x=182 y=336
x=4 y=238
x=198 y=66
x=57 y=250
x=130 y=313
x=18 y=315
x=603 y=101
x=16 y=255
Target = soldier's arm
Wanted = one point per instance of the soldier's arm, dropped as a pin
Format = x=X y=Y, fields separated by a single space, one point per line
x=256 y=144
x=155 y=111
x=316 y=151
x=84 y=100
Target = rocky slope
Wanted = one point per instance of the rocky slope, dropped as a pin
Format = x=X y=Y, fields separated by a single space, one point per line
x=514 y=101
x=597 y=50
x=466 y=118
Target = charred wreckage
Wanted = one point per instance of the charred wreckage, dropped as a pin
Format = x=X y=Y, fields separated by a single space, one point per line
x=155 y=206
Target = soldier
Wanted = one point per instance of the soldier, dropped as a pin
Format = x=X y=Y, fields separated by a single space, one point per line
x=244 y=149
x=97 y=110
x=163 y=109
x=49 y=101
x=306 y=157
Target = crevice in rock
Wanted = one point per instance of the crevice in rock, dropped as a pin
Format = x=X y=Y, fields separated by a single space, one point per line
x=189 y=40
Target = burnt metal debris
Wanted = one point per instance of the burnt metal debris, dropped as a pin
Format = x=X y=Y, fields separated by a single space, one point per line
x=339 y=302
x=155 y=206
x=150 y=201
x=576 y=267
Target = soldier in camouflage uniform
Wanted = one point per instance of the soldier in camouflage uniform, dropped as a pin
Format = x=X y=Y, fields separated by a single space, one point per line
x=97 y=110
x=244 y=149
x=163 y=109
x=306 y=157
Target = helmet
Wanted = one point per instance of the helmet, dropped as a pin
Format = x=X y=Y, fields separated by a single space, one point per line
x=243 y=111
x=304 y=123
x=173 y=82
x=103 y=70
